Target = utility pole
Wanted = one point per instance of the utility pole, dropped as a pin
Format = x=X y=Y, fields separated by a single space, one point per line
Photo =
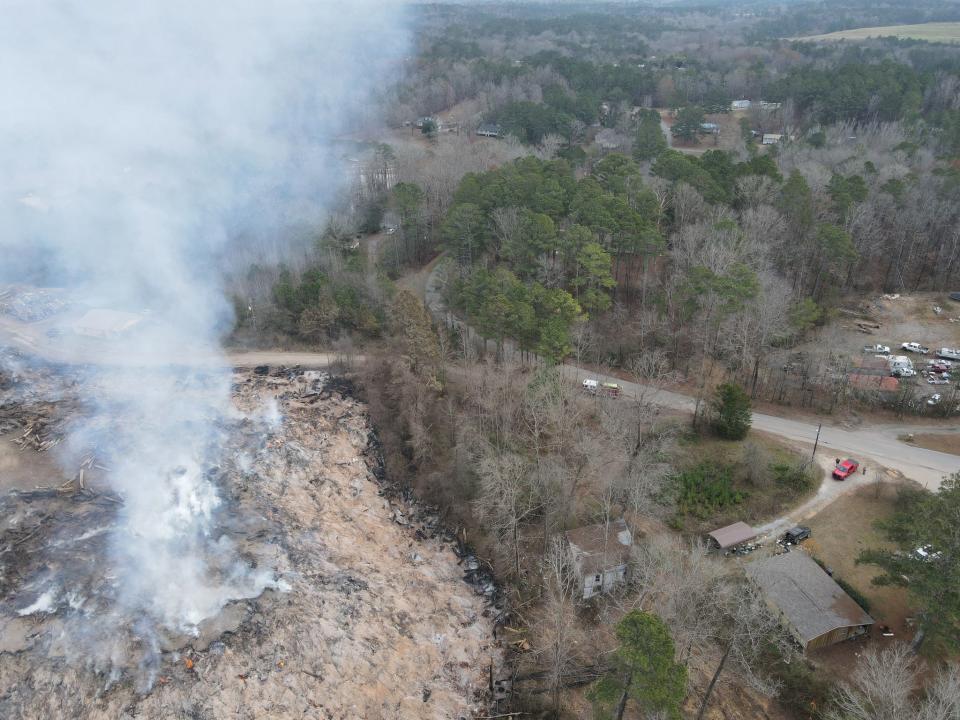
x=816 y=442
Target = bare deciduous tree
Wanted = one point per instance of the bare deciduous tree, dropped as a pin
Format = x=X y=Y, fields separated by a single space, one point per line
x=879 y=688
x=559 y=628
x=747 y=629
x=506 y=498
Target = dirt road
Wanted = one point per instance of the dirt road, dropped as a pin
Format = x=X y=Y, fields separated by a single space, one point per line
x=33 y=338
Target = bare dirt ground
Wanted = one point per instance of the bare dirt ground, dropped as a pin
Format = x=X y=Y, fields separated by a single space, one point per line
x=370 y=617
x=907 y=318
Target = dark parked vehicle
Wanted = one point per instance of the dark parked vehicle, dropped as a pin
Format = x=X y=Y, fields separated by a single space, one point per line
x=796 y=535
x=955 y=296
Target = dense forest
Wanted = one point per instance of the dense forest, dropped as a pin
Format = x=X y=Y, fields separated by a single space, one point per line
x=692 y=198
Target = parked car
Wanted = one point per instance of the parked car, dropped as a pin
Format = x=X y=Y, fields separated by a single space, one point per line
x=938 y=380
x=934 y=399
x=877 y=349
x=949 y=353
x=955 y=296
x=915 y=348
x=845 y=469
x=939 y=365
x=903 y=372
x=794 y=536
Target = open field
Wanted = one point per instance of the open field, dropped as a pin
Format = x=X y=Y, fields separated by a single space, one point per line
x=943 y=32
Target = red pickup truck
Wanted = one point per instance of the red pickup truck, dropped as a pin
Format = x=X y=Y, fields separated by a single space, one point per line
x=845 y=469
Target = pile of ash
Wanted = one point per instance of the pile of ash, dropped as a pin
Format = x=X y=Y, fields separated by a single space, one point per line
x=369 y=615
x=29 y=304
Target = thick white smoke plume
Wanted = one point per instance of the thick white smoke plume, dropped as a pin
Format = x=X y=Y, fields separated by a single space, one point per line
x=139 y=143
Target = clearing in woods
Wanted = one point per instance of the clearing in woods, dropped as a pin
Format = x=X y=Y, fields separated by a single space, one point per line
x=943 y=32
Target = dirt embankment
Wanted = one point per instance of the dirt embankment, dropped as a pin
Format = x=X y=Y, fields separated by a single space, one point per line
x=370 y=617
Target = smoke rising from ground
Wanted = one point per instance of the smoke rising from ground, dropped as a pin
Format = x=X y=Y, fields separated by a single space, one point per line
x=139 y=145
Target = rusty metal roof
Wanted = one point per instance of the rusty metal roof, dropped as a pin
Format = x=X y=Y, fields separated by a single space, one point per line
x=809 y=599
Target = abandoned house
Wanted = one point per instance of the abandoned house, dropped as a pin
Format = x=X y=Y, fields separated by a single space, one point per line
x=600 y=555
x=812 y=607
x=772 y=138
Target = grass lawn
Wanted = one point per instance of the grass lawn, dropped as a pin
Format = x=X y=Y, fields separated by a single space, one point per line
x=750 y=480
x=944 y=32
x=941 y=442
x=845 y=528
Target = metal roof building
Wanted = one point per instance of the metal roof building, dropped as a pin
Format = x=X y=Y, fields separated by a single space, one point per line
x=731 y=535
x=815 y=610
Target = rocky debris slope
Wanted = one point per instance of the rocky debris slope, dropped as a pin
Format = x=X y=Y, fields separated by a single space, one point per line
x=370 y=618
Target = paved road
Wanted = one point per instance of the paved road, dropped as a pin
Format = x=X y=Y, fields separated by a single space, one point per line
x=877 y=445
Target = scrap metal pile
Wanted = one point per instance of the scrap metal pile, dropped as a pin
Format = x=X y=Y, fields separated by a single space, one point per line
x=370 y=615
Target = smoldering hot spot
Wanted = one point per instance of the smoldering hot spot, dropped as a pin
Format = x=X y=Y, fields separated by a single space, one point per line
x=147 y=151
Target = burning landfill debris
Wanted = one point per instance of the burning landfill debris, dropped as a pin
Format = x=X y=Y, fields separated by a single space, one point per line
x=174 y=535
x=328 y=599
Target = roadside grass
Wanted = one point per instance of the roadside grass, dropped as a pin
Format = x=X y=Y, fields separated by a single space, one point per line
x=718 y=482
x=943 y=32
x=941 y=442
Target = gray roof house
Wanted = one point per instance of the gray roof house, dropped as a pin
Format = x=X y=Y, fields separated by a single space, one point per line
x=815 y=610
x=600 y=555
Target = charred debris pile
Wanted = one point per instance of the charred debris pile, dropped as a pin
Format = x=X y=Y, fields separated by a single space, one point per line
x=377 y=609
